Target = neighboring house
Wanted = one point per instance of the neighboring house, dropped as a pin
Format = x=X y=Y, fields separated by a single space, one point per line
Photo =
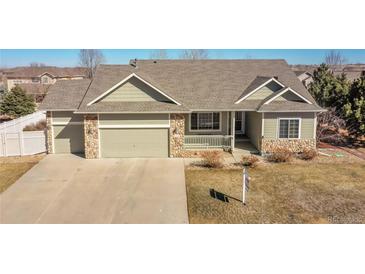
x=38 y=76
x=305 y=72
x=169 y=108
x=38 y=91
x=305 y=77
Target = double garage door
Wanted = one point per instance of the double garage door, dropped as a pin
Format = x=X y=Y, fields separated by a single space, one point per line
x=134 y=142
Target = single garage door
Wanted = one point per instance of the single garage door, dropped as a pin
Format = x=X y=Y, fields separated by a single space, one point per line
x=143 y=142
x=68 y=139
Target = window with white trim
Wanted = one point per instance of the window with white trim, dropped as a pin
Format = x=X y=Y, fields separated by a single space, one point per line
x=205 y=121
x=289 y=128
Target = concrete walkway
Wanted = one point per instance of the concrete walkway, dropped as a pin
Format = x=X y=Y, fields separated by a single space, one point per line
x=70 y=189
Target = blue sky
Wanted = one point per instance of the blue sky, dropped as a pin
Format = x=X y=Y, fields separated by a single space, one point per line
x=69 y=57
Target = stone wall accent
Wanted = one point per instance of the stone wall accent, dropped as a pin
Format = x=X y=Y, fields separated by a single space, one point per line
x=49 y=132
x=177 y=133
x=294 y=145
x=91 y=136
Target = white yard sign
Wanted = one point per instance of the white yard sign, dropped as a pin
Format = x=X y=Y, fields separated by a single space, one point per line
x=245 y=185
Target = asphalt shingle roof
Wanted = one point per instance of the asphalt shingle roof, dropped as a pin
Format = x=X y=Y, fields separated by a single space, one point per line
x=65 y=95
x=29 y=72
x=195 y=84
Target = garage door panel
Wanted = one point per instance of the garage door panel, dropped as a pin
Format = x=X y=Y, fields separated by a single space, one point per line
x=134 y=142
x=68 y=139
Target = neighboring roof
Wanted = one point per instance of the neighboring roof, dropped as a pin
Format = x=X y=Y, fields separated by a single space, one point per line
x=195 y=84
x=301 y=72
x=31 y=72
x=352 y=71
x=286 y=106
x=65 y=95
x=35 y=88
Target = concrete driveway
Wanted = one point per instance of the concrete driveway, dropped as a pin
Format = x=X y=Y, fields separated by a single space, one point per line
x=71 y=189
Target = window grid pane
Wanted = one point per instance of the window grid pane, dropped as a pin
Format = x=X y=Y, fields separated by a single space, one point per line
x=216 y=120
x=205 y=120
x=293 y=129
x=194 y=121
x=283 y=130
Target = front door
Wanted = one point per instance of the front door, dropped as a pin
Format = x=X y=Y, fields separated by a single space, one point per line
x=240 y=122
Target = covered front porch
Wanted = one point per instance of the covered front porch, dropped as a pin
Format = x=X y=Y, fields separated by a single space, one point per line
x=236 y=139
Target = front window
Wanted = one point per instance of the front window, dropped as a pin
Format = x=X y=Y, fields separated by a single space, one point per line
x=289 y=128
x=205 y=121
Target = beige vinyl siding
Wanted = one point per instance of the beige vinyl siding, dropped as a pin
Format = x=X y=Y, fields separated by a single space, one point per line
x=224 y=126
x=307 y=124
x=265 y=91
x=134 y=142
x=133 y=119
x=68 y=139
x=134 y=90
x=288 y=96
x=253 y=127
x=66 y=117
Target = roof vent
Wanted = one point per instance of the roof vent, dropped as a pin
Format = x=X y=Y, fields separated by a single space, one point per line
x=133 y=62
x=276 y=77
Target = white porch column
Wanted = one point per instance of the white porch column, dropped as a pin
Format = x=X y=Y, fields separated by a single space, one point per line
x=233 y=120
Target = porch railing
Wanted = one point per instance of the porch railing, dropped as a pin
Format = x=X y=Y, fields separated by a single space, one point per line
x=207 y=141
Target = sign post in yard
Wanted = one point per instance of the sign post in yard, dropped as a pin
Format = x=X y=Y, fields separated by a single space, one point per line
x=245 y=185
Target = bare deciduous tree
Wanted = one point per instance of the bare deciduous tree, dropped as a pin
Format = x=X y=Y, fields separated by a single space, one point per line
x=159 y=54
x=330 y=127
x=335 y=58
x=194 y=54
x=91 y=58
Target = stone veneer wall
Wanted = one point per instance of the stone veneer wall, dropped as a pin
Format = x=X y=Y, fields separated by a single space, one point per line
x=49 y=132
x=177 y=133
x=91 y=136
x=294 y=145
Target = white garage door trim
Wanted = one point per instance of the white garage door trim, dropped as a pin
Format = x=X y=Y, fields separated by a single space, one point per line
x=137 y=126
x=53 y=124
x=134 y=142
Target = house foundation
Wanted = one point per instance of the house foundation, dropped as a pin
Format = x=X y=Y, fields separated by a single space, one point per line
x=294 y=145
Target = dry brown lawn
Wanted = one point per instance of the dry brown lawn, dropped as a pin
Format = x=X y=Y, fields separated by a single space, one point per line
x=12 y=168
x=312 y=192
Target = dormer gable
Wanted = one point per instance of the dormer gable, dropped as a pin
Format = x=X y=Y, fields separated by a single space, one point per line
x=134 y=89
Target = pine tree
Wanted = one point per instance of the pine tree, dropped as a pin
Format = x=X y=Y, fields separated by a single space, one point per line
x=329 y=90
x=17 y=103
x=354 y=109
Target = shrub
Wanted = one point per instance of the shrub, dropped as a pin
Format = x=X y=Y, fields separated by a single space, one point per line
x=308 y=154
x=41 y=125
x=280 y=155
x=212 y=159
x=249 y=161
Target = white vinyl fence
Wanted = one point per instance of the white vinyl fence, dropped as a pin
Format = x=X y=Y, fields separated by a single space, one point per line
x=17 y=125
x=22 y=143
